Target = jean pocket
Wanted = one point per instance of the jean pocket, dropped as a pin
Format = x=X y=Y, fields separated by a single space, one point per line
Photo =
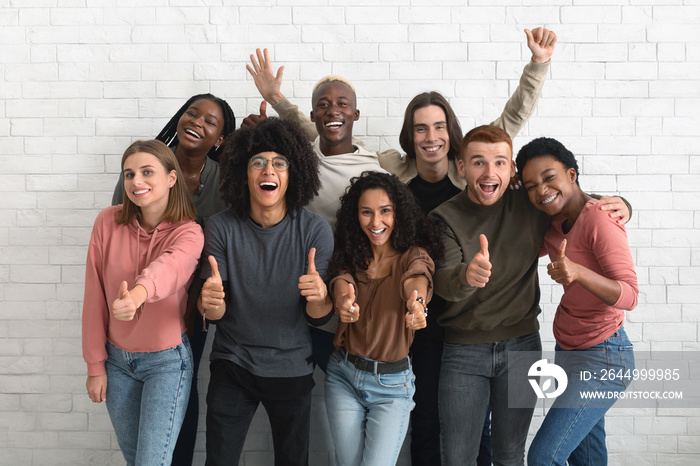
x=397 y=380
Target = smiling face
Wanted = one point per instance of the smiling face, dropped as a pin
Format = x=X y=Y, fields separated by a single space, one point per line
x=334 y=112
x=147 y=183
x=200 y=127
x=430 y=135
x=375 y=212
x=549 y=184
x=487 y=169
x=267 y=186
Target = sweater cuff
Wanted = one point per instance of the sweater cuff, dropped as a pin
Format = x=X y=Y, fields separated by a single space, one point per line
x=97 y=368
x=538 y=68
x=149 y=285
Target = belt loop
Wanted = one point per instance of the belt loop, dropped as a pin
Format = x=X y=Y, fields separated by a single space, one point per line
x=375 y=365
x=344 y=352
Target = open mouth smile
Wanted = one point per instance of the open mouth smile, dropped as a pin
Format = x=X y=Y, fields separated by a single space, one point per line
x=268 y=186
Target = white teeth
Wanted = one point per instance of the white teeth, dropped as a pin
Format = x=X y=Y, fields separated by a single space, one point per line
x=141 y=191
x=549 y=199
x=268 y=185
x=378 y=232
x=431 y=149
x=489 y=184
x=192 y=133
x=334 y=123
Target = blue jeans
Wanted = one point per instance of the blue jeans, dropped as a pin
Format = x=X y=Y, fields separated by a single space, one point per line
x=147 y=397
x=472 y=376
x=574 y=428
x=368 y=412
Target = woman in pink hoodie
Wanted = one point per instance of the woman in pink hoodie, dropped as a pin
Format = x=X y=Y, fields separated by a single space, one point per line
x=140 y=262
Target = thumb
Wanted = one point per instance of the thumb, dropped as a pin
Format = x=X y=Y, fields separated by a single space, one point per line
x=280 y=72
x=529 y=35
x=562 y=250
x=312 y=262
x=123 y=290
x=484 y=242
x=412 y=299
x=263 y=109
x=214 y=268
x=351 y=292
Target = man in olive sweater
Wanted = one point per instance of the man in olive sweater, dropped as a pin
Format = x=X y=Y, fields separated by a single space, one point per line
x=492 y=237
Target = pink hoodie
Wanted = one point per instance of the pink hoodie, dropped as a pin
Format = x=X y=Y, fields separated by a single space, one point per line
x=162 y=260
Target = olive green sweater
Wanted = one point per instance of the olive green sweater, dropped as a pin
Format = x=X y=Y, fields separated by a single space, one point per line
x=507 y=307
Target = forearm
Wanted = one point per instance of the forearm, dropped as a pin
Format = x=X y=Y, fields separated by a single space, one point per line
x=319 y=309
x=605 y=289
x=289 y=111
x=419 y=284
x=451 y=283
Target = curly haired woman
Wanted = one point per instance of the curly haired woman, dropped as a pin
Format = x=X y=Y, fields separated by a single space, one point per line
x=382 y=281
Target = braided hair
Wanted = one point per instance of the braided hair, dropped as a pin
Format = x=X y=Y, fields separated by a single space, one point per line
x=168 y=134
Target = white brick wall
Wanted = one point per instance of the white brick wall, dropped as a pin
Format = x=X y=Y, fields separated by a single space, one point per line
x=80 y=79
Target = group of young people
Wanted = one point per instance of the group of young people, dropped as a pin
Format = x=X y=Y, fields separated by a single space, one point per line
x=306 y=249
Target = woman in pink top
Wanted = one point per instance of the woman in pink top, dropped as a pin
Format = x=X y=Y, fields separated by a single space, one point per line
x=140 y=262
x=590 y=256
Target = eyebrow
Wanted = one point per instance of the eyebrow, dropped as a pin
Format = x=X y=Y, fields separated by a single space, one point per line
x=208 y=114
x=142 y=166
x=426 y=124
x=381 y=206
x=481 y=156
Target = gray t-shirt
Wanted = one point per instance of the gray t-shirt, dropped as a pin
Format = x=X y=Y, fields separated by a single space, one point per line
x=264 y=329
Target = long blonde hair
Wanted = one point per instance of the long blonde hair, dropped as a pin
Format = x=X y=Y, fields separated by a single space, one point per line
x=180 y=206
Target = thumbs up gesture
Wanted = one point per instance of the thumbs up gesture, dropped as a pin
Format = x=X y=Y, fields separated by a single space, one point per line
x=479 y=269
x=253 y=119
x=312 y=285
x=417 y=313
x=562 y=270
x=124 y=307
x=346 y=307
x=212 y=295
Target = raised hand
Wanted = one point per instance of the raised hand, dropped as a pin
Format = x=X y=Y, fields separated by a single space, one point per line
x=124 y=308
x=617 y=207
x=312 y=285
x=253 y=119
x=346 y=307
x=479 y=269
x=97 y=387
x=266 y=81
x=541 y=43
x=562 y=270
x=417 y=313
x=212 y=295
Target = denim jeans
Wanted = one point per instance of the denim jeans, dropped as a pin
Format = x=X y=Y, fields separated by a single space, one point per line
x=368 y=412
x=147 y=397
x=574 y=428
x=473 y=375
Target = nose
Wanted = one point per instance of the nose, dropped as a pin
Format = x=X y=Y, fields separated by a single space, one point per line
x=488 y=169
x=430 y=134
x=268 y=169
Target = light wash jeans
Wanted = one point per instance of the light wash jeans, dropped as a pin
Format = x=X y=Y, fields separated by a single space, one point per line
x=368 y=412
x=574 y=428
x=147 y=397
x=473 y=375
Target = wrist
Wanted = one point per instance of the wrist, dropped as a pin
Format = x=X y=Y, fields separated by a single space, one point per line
x=275 y=98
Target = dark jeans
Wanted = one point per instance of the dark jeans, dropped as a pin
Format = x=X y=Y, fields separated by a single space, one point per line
x=184 y=448
x=425 y=420
x=474 y=375
x=233 y=397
